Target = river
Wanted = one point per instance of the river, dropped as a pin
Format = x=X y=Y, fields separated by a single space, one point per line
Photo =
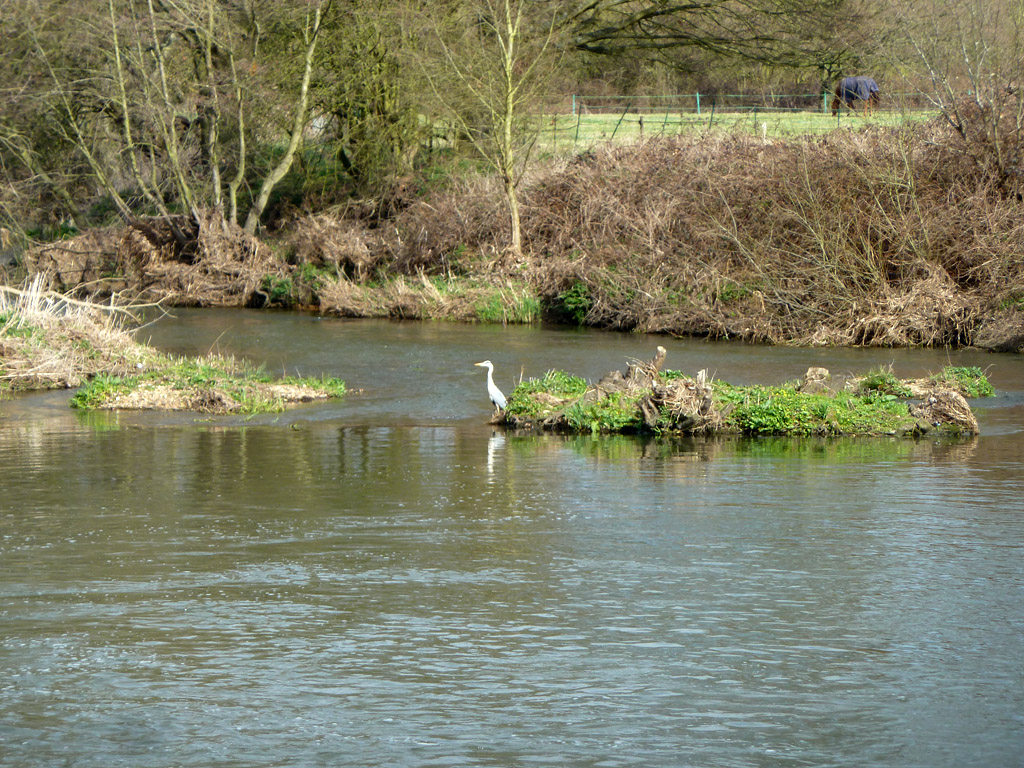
x=388 y=581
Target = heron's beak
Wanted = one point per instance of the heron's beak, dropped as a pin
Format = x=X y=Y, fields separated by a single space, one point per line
x=480 y=364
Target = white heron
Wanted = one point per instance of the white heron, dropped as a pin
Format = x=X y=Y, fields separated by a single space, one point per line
x=492 y=389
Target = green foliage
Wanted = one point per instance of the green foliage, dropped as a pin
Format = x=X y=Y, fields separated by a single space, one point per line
x=969 y=381
x=617 y=412
x=278 y=290
x=62 y=231
x=101 y=390
x=11 y=325
x=786 y=411
x=730 y=291
x=1014 y=301
x=315 y=276
x=557 y=384
x=512 y=306
x=884 y=381
x=455 y=259
x=575 y=302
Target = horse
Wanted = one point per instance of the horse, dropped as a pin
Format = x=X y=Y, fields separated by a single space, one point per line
x=852 y=88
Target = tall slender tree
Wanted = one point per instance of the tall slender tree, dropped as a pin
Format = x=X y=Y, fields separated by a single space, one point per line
x=496 y=57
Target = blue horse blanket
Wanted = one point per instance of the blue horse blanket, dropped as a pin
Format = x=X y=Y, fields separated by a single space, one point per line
x=851 y=88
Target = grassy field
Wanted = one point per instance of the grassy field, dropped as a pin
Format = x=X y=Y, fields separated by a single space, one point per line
x=576 y=132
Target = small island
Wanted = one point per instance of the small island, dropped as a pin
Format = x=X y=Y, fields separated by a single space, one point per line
x=52 y=341
x=648 y=398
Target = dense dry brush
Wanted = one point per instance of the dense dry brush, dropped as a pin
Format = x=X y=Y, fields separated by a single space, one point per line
x=881 y=236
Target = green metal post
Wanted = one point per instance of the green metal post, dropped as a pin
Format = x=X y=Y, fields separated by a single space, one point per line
x=621 y=117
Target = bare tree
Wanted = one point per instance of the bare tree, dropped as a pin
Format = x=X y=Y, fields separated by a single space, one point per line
x=968 y=60
x=768 y=31
x=496 y=56
x=310 y=37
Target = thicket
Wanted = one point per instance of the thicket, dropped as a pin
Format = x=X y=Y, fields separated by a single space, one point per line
x=873 y=237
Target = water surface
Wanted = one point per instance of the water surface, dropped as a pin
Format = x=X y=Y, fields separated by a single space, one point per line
x=387 y=580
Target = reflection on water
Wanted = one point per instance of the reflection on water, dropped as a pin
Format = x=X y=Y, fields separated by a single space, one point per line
x=322 y=589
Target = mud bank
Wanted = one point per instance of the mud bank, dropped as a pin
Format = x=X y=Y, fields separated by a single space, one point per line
x=648 y=398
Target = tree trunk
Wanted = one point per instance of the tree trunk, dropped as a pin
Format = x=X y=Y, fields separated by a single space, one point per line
x=298 y=126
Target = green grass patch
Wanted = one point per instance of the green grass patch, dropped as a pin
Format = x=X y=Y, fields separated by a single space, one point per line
x=334 y=388
x=618 y=412
x=101 y=390
x=969 y=381
x=760 y=410
x=517 y=305
x=883 y=381
x=554 y=386
x=243 y=388
x=569 y=132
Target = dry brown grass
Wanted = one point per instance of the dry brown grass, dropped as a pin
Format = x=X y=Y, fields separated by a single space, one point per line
x=215 y=265
x=882 y=237
x=177 y=261
x=944 y=406
x=845 y=239
x=50 y=341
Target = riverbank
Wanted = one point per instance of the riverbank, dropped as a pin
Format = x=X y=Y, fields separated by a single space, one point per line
x=881 y=237
x=50 y=341
x=649 y=399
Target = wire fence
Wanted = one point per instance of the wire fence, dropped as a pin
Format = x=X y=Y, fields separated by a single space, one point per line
x=703 y=103
x=574 y=121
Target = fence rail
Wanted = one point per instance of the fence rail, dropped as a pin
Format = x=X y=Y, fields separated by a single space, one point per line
x=701 y=103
